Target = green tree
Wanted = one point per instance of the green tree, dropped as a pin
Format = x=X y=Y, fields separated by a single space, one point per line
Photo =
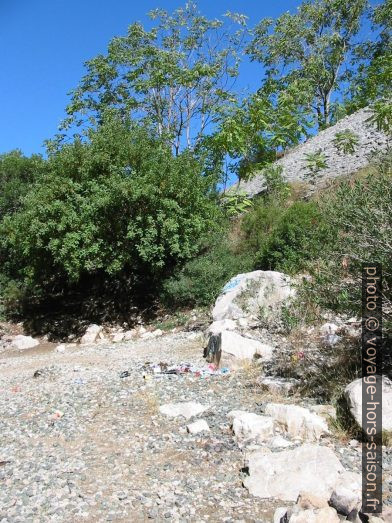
x=252 y=133
x=308 y=51
x=371 y=82
x=117 y=204
x=17 y=173
x=177 y=76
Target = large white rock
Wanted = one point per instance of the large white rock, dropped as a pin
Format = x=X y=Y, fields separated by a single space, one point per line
x=118 y=337
x=353 y=397
x=248 y=426
x=298 y=421
x=280 y=515
x=252 y=294
x=21 y=342
x=347 y=493
x=229 y=347
x=130 y=335
x=284 y=475
x=91 y=335
x=197 y=426
x=187 y=409
x=244 y=348
x=322 y=515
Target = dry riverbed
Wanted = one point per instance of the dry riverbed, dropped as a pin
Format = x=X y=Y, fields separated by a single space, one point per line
x=81 y=443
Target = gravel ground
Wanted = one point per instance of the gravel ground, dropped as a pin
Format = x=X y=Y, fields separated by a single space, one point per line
x=80 y=443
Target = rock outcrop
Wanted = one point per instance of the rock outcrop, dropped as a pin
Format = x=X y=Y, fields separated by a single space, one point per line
x=250 y=427
x=230 y=349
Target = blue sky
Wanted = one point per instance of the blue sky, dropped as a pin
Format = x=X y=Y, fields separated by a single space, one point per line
x=45 y=42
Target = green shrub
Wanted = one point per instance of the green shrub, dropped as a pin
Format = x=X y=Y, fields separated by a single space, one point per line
x=258 y=224
x=277 y=188
x=235 y=204
x=17 y=173
x=200 y=281
x=314 y=164
x=346 y=142
x=360 y=213
x=296 y=239
x=118 y=205
x=284 y=237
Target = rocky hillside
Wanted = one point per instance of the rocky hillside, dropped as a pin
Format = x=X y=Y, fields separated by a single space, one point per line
x=370 y=141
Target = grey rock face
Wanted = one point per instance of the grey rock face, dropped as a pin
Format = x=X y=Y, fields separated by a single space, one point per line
x=338 y=164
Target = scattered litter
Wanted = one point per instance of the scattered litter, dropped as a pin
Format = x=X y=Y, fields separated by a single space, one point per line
x=58 y=414
x=16 y=389
x=160 y=369
x=125 y=374
x=38 y=373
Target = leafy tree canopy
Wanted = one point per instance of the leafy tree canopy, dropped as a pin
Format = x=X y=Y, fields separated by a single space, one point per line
x=177 y=76
x=17 y=173
x=117 y=204
x=307 y=51
x=371 y=83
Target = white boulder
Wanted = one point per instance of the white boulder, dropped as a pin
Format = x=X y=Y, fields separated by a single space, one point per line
x=280 y=515
x=321 y=515
x=92 y=335
x=187 y=409
x=284 y=475
x=279 y=442
x=118 y=337
x=229 y=347
x=250 y=293
x=298 y=421
x=347 y=493
x=353 y=397
x=197 y=426
x=130 y=335
x=248 y=426
x=21 y=342
x=244 y=348
x=326 y=411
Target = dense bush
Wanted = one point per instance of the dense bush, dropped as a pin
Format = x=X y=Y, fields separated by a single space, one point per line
x=200 y=281
x=17 y=173
x=284 y=236
x=360 y=214
x=296 y=239
x=118 y=204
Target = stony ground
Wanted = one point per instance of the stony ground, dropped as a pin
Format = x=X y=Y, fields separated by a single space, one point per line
x=81 y=443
